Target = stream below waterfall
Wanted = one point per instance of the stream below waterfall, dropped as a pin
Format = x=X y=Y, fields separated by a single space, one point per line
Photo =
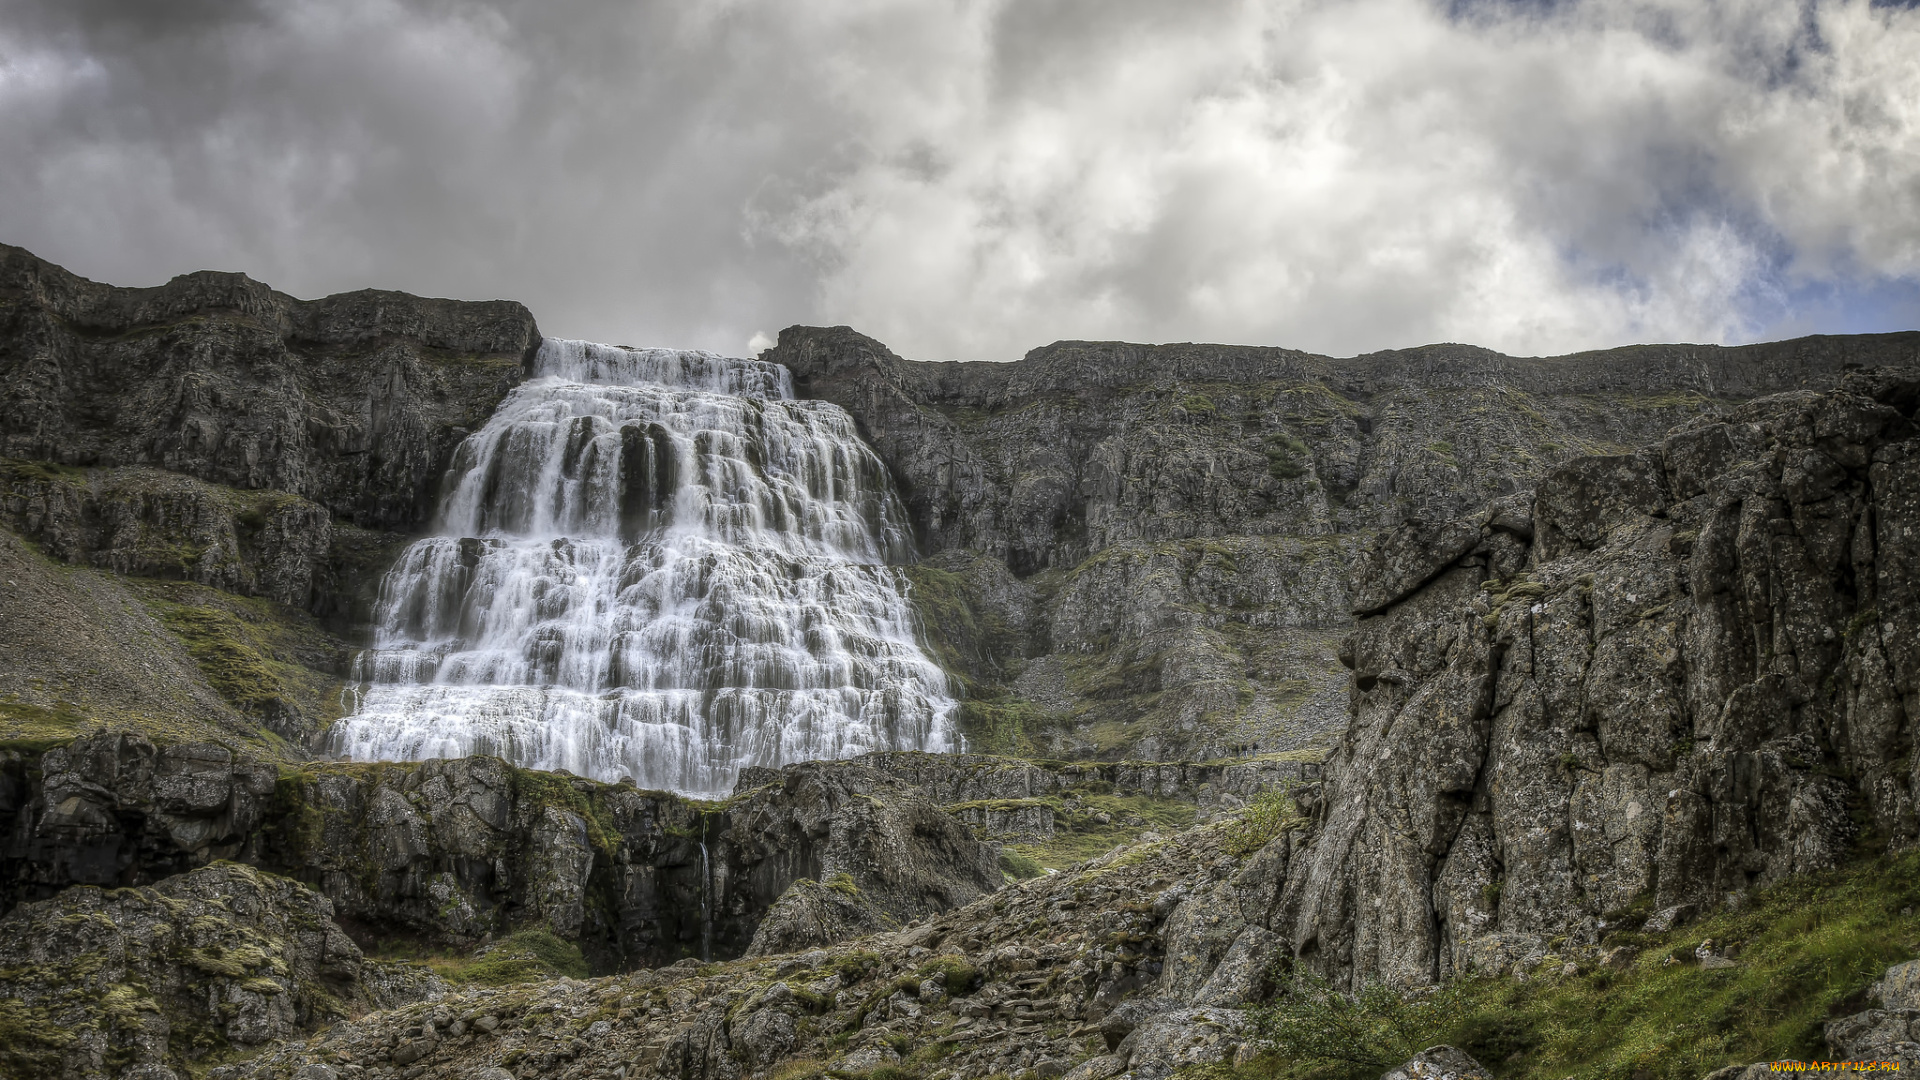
x=656 y=565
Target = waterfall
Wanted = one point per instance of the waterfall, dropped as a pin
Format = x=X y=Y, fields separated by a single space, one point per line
x=706 y=897
x=656 y=565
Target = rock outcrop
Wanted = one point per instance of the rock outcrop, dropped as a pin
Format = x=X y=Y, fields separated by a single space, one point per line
x=149 y=982
x=353 y=402
x=1150 y=543
x=1440 y=1063
x=811 y=914
x=1049 y=975
x=1682 y=673
x=453 y=850
x=961 y=778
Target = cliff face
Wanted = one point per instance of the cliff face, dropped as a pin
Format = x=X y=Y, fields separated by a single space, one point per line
x=1153 y=541
x=352 y=402
x=214 y=431
x=453 y=850
x=1671 y=677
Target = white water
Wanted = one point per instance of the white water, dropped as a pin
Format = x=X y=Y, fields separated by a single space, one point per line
x=658 y=565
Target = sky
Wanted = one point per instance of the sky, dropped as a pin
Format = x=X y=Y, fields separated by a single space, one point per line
x=970 y=179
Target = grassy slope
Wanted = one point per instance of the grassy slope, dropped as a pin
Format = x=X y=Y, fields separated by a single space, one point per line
x=83 y=649
x=520 y=957
x=1806 y=951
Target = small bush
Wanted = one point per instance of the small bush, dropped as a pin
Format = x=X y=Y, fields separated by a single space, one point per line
x=1019 y=867
x=1286 y=457
x=1267 y=816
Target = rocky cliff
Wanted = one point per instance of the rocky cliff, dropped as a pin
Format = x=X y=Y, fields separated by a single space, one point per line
x=353 y=402
x=214 y=431
x=1143 y=549
x=1672 y=677
x=453 y=851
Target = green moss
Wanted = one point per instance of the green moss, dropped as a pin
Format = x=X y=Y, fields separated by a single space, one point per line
x=959 y=977
x=31 y=1042
x=843 y=884
x=966 y=637
x=1079 y=835
x=1198 y=405
x=856 y=965
x=254 y=653
x=1002 y=727
x=34 y=728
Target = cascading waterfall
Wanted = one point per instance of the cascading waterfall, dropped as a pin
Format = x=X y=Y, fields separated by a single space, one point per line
x=657 y=565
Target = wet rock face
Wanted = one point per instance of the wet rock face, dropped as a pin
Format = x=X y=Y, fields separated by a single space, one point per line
x=455 y=849
x=351 y=403
x=1663 y=686
x=143 y=982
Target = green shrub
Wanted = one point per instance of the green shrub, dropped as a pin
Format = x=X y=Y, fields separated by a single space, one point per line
x=1376 y=1029
x=855 y=965
x=1804 y=952
x=960 y=976
x=1266 y=817
x=1019 y=867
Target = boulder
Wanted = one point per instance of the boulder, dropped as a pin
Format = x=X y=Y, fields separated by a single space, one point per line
x=243 y=957
x=1439 y=1063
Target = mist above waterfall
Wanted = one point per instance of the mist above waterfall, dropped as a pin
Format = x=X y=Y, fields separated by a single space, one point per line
x=658 y=565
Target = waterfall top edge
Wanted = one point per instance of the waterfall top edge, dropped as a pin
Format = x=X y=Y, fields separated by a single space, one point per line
x=692 y=369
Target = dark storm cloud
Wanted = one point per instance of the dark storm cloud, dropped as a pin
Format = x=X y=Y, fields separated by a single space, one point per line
x=968 y=178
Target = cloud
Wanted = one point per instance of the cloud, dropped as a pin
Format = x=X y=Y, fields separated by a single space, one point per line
x=964 y=178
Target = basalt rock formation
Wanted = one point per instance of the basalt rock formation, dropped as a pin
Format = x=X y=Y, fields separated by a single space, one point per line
x=1670 y=677
x=451 y=851
x=1143 y=549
